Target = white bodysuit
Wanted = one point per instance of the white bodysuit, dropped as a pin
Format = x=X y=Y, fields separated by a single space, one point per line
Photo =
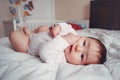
x=50 y=50
x=36 y=41
x=53 y=50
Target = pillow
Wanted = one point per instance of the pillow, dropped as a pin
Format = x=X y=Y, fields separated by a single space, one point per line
x=75 y=26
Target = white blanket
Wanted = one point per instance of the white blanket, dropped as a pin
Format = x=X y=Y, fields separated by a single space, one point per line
x=21 y=66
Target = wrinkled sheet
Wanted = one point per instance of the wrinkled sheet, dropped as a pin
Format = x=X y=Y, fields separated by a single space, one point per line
x=21 y=66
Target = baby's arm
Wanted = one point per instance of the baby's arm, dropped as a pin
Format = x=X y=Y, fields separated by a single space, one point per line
x=66 y=28
x=53 y=51
x=62 y=29
x=41 y=29
x=26 y=31
x=70 y=38
x=55 y=30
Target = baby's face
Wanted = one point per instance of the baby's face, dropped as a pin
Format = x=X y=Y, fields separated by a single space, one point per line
x=84 y=51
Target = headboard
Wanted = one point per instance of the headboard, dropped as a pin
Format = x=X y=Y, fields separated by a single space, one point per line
x=105 y=14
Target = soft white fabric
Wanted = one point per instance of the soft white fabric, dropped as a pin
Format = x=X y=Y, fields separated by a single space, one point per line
x=66 y=28
x=80 y=72
x=53 y=51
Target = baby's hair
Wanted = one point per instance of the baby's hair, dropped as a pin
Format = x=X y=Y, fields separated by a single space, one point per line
x=103 y=50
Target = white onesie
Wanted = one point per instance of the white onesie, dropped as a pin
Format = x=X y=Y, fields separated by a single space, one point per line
x=37 y=40
x=53 y=50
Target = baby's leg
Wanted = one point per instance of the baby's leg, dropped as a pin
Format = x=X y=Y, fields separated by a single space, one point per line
x=26 y=31
x=19 y=41
x=41 y=29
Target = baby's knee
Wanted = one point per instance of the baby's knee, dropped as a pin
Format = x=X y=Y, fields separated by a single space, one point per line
x=19 y=41
x=13 y=35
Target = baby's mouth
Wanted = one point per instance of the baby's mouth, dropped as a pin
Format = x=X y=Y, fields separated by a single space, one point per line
x=68 y=49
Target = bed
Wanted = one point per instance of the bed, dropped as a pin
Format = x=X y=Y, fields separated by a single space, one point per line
x=19 y=66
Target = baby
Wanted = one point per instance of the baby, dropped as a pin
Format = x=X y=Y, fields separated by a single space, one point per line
x=30 y=42
x=61 y=44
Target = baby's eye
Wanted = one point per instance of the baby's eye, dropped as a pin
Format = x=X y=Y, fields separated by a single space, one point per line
x=84 y=42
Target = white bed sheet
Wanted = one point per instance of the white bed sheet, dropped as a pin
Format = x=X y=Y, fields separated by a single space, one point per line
x=20 y=66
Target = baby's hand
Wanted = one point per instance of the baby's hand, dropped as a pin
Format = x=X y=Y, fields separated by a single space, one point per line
x=71 y=38
x=55 y=30
x=25 y=30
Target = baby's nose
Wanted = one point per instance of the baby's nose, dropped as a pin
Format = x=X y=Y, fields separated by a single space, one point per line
x=80 y=49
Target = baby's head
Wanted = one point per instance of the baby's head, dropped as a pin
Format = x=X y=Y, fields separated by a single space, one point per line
x=86 y=50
